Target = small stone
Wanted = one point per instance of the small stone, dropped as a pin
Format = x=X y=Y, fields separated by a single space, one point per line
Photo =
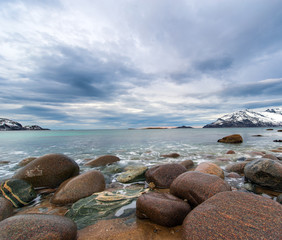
x=102 y=161
x=230 y=152
x=6 y=208
x=210 y=168
x=235 y=138
x=171 y=155
x=270 y=156
x=132 y=173
x=233 y=175
x=279 y=199
x=236 y=167
x=188 y=164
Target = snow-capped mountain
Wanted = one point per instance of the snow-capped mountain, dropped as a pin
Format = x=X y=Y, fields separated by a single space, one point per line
x=249 y=118
x=8 y=125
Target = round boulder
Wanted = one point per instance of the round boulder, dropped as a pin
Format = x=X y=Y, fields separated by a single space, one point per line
x=38 y=227
x=79 y=187
x=48 y=171
x=171 y=155
x=102 y=161
x=236 y=167
x=6 y=208
x=188 y=164
x=26 y=161
x=163 y=175
x=132 y=173
x=234 y=215
x=210 y=168
x=197 y=187
x=235 y=138
x=265 y=172
x=162 y=208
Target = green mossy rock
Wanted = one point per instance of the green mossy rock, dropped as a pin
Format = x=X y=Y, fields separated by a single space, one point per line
x=132 y=173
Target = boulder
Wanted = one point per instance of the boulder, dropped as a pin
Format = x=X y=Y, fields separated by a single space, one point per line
x=188 y=164
x=162 y=208
x=18 y=192
x=210 y=168
x=48 y=171
x=230 y=152
x=163 y=175
x=171 y=155
x=132 y=173
x=6 y=208
x=265 y=172
x=234 y=215
x=235 y=138
x=79 y=187
x=38 y=227
x=197 y=187
x=270 y=156
x=26 y=161
x=237 y=167
x=233 y=175
x=102 y=161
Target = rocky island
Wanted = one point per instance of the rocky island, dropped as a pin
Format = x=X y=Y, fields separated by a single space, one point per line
x=10 y=125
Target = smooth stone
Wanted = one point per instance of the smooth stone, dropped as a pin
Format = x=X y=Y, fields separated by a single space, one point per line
x=163 y=175
x=171 y=155
x=235 y=138
x=38 y=227
x=4 y=162
x=6 y=208
x=48 y=171
x=261 y=190
x=197 y=187
x=102 y=161
x=265 y=172
x=26 y=161
x=162 y=208
x=270 y=156
x=233 y=175
x=279 y=198
x=132 y=173
x=210 y=168
x=234 y=215
x=18 y=192
x=79 y=187
x=230 y=152
x=188 y=164
x=237 y=167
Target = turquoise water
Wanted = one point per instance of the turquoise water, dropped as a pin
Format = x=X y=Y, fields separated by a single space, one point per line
x=131 y=146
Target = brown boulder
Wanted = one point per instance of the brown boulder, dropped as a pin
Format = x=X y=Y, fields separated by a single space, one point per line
x=237 y=167
x=197 y=187
x=210 y=168
x=48 y=171
x=26 y=161
x=230 y=152
x=6 y=208
x=233 y=175
x=171 y=155
x=79 y=187
x=162 y=208
x=270 y=156
x=38 y=227
x=234 y=215
x=235 y=138
x=102 y=161
x=163 y=175
x=188 y=164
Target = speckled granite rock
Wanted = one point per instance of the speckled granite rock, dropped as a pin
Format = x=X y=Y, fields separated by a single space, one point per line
x=188 y=164
x=79 y=187
x=48 y=171
x=210 y=168
x=102 y=161
x=6 y=208
x=38 y=227
x=235 y=138
x=237 y=167
x=162 y=208
x=234 y=215
x=163 y=175
x=197 y=187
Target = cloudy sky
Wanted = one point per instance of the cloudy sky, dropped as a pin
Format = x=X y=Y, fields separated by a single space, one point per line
x=68 y=64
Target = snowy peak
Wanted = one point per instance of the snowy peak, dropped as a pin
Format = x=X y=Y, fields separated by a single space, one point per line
x=8 y=125
x=249 y=118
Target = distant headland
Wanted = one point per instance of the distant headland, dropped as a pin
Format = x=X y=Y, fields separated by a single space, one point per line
x=10 y=125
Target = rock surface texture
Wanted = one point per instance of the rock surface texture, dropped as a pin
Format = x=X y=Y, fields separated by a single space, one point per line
x=6 y=208
x=210 y=168
x=234 y=215
x=102 y=161
x=235 y=138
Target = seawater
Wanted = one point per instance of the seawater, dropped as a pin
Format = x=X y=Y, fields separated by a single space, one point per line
x=131 y=146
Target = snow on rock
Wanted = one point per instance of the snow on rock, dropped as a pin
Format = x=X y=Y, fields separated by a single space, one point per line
x=8 y=125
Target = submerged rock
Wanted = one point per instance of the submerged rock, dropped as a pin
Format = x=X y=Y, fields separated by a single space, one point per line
x=236 y=167
x=171 y=155
x=235 y=138
x=6 y=208
x=102 y=161
x=210 y=168
x=234 y=215
x=188 y=164
x=132 y=173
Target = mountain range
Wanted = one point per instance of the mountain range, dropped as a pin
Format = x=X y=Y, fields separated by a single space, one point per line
x=8 y=125
x=249 y=118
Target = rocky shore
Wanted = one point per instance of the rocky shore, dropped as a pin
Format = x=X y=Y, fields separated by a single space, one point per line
x=52 y=197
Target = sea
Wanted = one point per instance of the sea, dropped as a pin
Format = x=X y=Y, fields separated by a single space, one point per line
x=133 y=147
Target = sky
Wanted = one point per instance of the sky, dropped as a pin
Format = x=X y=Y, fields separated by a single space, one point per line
x=91 y=64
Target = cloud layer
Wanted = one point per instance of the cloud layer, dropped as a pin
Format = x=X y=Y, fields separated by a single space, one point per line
x=108 y=64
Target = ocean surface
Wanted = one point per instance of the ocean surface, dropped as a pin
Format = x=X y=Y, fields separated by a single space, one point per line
x=133 y=147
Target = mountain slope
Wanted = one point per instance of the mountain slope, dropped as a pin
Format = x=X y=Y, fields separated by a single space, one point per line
x=8 y=125
x=248 y=118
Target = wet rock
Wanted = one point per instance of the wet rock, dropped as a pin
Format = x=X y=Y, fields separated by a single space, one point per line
x=163 y=175
x=171 y=155
x=132 y=173
x=6 y=208
x=234 y=215
x=262 y=190
x=233 y=175
x=265 y=172
x=4 y=162
x=210 y=168
x=102 y=161
x=188 y=164
x=79 y=187
x=18 y=192
x=197 y=187
x=230 y=152
x=237 y=167
x=279 y=199
x=235 y=138
x=38 y=227
x=48 y=171
x=249 y=187
x=162 y=208
x=279 y=130
x=270 y=156
x=26 y=161
x=269 y=129
x=257 y=135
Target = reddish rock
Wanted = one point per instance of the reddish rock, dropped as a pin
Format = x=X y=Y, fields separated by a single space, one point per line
x=79 y=187
x=234 y=215
x=230 y=152
x=235 y=138
x=102 y=161
x=237 y=167
x=233 y=175
x=171 y=155
x=163 y=175
x=38 y=227
x=188 y=164
x=48 y=171
x=270 y=156
x=26 y=161
x=210 y=168
x=6 y=208
x=197 y=187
